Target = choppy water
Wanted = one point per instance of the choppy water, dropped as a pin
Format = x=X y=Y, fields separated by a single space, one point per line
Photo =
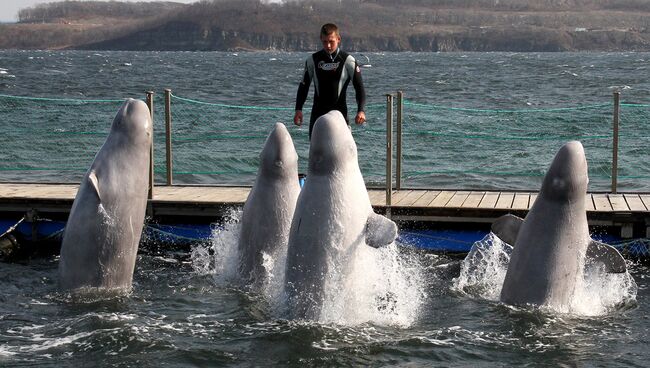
x=417 y=309
x=412 y=308
x=445 y=146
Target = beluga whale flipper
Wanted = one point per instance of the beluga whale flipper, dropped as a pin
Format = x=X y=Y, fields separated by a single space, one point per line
x=333 y=218
x=552 y=243
x=101 y=237
x=269 y=208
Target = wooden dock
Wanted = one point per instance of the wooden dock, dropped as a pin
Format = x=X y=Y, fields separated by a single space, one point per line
x=629 y=211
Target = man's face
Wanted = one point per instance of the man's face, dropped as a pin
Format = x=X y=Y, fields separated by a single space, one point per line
x=330 y=42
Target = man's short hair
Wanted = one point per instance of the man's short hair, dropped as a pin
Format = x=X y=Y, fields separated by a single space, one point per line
x=328 y=29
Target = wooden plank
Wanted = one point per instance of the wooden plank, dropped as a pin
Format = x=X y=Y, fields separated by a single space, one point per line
x=489 y=200
x=589 y=203
x=601 y=203
x=377 y=196
x=645 y=198
x=533 y=198
x=618 y=202
x=442 y=199
x=426 y=198
x=234 y=195
x=410 y=198
x=635 y=203
x=520 y=202
x=398 y=195
x=458 y=199
x=505 y=200
x=473 y=200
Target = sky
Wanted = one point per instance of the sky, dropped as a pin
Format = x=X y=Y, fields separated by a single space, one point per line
x=9 y=8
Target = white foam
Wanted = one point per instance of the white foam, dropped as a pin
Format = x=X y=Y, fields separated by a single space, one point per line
x=484 y=268
x=379 y=286
x=597 y=292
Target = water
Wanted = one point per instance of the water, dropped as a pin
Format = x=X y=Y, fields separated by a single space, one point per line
x=443 y=148
x=187 y=309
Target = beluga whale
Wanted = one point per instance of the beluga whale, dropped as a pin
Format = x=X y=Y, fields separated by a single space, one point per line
x=333 y=218
x=552 y=244
x=101 y=237
x=269 y=208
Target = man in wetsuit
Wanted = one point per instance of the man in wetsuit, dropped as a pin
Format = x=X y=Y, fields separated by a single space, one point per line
x=331 y=70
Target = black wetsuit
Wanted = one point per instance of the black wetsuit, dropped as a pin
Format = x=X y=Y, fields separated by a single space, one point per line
x=331 y=75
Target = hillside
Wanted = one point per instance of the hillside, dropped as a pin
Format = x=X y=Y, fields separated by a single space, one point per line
x=367 y=25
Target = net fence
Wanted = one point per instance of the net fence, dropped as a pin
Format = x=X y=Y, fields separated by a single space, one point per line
x=55 y=140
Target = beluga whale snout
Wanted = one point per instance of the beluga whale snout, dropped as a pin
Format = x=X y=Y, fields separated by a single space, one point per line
x=101 y=237
x=552 y=243
x=333 y=218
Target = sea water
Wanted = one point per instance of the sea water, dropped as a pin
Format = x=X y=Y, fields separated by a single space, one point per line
x=470 y=120
x=187 y=308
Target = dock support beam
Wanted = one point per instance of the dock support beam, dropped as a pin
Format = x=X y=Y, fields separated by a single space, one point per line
x=151 y=177
x=617 y=115
x=168 y=135
x=398 y=159
x=389 y=152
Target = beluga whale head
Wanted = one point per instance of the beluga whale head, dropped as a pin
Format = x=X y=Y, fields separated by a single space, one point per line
x=279 y=155
x=567 y=177
x=132 y=124
x=332 y=147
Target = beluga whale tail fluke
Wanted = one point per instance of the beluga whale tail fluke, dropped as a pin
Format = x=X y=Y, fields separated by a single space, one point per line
x=552 y=244
x=333 y=218
x=101 y=237
x=269 y=208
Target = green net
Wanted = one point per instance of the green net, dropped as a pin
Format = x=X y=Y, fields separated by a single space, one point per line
x=55 y=140
x=51 y=140
x=220 y=143
x=500 y=149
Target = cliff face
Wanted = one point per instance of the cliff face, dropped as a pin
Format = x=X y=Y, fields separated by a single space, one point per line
x=191 y=36
x=377 y=25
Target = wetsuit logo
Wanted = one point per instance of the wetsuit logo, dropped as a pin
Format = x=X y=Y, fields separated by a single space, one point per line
x=328 y=66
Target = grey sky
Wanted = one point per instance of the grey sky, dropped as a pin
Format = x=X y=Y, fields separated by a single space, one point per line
x=9 y=8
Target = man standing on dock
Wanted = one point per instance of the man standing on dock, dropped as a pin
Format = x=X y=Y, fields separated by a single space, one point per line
x=331 y=70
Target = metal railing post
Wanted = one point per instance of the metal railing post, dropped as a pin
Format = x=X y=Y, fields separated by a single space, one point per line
x=398 y=163
x=389 y=151
x=150 y=104
x=168 y=135
x=617 y=115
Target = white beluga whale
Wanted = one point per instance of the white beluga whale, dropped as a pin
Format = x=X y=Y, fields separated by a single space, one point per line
x=333 y=218
x=552 y=244
x=269 y=208
x=101 y=237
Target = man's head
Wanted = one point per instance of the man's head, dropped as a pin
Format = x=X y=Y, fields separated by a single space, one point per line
x=330 y=37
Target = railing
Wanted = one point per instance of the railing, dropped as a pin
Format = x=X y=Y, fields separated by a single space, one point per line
x=435 y=146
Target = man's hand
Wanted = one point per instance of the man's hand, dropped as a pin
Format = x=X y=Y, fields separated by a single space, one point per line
x=360 y=118
x=297 y=118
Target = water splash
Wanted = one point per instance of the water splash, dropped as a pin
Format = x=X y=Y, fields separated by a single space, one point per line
x=220 y=257
x=484 y=268
x=107 y=219
x=597 y=292
x=383 y=287
x=379 y=286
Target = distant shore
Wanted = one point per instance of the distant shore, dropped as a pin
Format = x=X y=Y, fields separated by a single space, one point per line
x=381 y=25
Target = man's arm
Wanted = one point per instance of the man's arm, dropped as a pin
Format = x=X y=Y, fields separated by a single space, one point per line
x=360 y=93
x=301 y=97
